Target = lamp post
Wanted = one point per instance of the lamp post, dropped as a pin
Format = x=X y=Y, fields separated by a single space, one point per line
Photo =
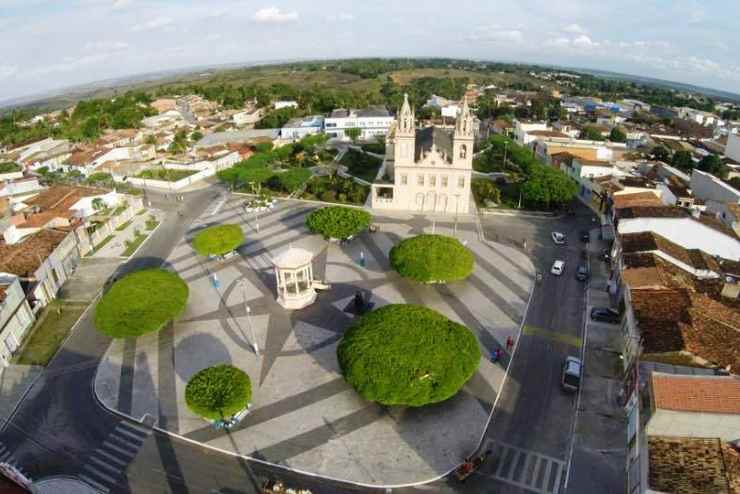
x=249 y=319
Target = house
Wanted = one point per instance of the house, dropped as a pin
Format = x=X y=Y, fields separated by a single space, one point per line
x=279 y=105
x=726 y=212
x=48 y=153
x=732 y=148
x=298 y=128
x=700 y=117
x=249 y=136
x=247 y=117
x=16 y=316
x=167 y=119
x=429 y=169
x=522 y=130
x=708 y=187
x=163 y=105
x=16 y=190
x=373 y=122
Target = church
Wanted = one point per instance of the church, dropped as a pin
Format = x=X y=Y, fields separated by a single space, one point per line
x=427 y=170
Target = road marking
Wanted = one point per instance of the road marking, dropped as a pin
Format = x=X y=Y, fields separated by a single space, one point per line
x=552 y=335
x=509 y=457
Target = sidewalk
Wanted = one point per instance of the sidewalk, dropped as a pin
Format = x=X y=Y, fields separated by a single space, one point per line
x=117 y=245
x=599 y=451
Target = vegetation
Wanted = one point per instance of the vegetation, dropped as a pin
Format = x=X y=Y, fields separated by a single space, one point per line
x=407 y=355
x=151 y=223
x=375 y=147
x=432 y=259
x=290 y=180
x=9 y=167
x=102 y=244
x=333 y=188
x=338 y=222
x=218 y=392
x=661 y=153
x=361 y=165
x=485 y=191
x=142 y=302
x=591 y=133
x=134 y=243
x=50 y=331
x=353 y=133
x=218 y=240
x=617 y=135
x=682 y=160
x=711 y=163
x=165 y=174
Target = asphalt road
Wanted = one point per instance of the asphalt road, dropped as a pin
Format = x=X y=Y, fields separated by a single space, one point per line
x=60 y=423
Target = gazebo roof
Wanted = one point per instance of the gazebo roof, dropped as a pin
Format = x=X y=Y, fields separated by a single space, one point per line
x=292 y=258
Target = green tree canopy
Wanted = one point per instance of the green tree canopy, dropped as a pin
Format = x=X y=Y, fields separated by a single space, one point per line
x=432 y=259
x=712 y=164
x=353 y=133
x=218 y=392
x=547 y=187
x=407 y=355
x=617 y=135
x=338 y=222
x=141 y=303
x=661 y=153
x=591 y=133
x=682 y=160
x=218 y=240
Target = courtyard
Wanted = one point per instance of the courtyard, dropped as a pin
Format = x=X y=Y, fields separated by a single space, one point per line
x=303 y=414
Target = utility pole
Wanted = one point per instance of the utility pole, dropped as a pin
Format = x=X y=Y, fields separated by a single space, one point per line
x=243 y=284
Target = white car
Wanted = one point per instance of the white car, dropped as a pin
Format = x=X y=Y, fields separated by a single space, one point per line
x=571 y=378
x=557 y=267
x=558 y=238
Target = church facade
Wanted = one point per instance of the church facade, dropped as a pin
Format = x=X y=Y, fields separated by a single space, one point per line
x=427 y=170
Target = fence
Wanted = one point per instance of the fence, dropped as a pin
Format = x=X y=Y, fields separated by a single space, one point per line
x=204 y=169
x=88 y=241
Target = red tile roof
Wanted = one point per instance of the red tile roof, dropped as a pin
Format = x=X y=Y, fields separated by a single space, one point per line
x=636 y=199
x=715 y=394
x=25 y=257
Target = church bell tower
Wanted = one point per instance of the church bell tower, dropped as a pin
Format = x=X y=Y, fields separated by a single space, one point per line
x=405 y=137
x=464 y=138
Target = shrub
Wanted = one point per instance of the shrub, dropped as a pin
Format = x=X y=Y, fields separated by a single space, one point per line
x=141 y=303
x=218 y=240
x=432 y=259
x=484 y=190
x=292 y=179
x=338 y=222
x=218 y=392
x=407 y=355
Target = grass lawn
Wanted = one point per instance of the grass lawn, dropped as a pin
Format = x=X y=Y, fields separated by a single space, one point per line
x=218 y=240
x=50 y=331
x=151 y=223
x=99 y=246
x=361 y=165
x=123 y=226
x=165 y=174
x=119 y=210
x=132 y=245
x=141 y=303
x=141 y=212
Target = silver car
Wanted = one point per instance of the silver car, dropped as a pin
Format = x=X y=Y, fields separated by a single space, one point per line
x=571 y=378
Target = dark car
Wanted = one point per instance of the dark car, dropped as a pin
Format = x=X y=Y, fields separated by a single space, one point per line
x=582 y=273
x=603 y=314
x=585 y=236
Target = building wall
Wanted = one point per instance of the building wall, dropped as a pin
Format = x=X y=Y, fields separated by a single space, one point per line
x=706 y=186
x=16 y=318
x=298 y=132
x=693 y=424
x=732 y=150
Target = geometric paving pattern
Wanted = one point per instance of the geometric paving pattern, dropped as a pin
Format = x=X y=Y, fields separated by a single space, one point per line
x=522 y=468
x=304 y=415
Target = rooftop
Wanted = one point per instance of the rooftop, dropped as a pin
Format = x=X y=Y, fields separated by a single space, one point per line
x=25 y=257
x=440 y=138
x=637 y=199
x=370 y=111
x=61 y=197
x=652 y=212
x=650 y=241
x=715 y=394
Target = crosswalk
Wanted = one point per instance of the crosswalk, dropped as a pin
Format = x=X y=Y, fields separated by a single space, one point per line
x=106 y=465
x=6 y=456
x=526 y=469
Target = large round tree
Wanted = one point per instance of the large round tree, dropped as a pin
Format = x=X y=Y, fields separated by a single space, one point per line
x=338 y=222
x=140 y=303
x=432 y=259
x=407 y=355
x=218 y=240
x=218 y=392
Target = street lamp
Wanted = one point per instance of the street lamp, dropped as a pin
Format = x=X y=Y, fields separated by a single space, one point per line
x=243 y=284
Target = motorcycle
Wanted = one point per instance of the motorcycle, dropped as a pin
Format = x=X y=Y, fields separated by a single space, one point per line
x=470 y=465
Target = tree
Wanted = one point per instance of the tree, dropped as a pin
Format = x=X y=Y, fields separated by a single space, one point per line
x=683 y=160
x=353 y=133
x=151 y=140
x=98 y=204
x=218 y=240
x=432 y=259
x=196 y=136
x=338 y=222
x=219 y=392
x=548 y=188
x=617 y=135
x=712 y=164
x=407 y=355
x=661 y=153
x=485 y=191
x=591 y=133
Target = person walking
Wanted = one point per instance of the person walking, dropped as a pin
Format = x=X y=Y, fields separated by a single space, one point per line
x=509 y=344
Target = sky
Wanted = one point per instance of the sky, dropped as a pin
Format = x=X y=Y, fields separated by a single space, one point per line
x=50 y=44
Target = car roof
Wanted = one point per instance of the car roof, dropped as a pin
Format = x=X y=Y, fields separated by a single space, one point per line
x=573 y=365
x=558 y=262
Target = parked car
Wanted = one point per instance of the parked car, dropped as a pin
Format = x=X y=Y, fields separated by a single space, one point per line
x=582 y=273
x=604 y=314
x=557 y=267
x=585 y=236
x=558 y=238
x=571 y=378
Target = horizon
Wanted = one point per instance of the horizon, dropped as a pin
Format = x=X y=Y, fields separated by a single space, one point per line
x=89 y=41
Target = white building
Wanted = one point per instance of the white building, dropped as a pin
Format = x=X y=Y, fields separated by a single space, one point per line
x=249 y=117
x=16 y=316
x=732 y=149
x=285 y=104
x=706 y=186
x=298 y=128
x=372 y=121
x=522 y=129
x=430 y=169
x=701 y=117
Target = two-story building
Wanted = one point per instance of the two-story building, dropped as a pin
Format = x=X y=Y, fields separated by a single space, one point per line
x=16 y=316
x=372 y=122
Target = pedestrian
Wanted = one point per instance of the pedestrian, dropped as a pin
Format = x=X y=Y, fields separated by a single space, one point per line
x=509 y=343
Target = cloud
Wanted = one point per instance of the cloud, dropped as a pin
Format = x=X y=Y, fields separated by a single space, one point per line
x=341 y=17
x=7 y=71
x=155 y=23
x=574 y=29
x=584 y=41
x=493 y=34
x=213 y=37
x=121 y=4
x=273 y=15
x=105 y=46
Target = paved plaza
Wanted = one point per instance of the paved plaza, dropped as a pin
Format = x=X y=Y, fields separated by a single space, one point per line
x=303 y=414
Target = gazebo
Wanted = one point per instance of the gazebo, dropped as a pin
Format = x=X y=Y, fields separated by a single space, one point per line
x=294 y=275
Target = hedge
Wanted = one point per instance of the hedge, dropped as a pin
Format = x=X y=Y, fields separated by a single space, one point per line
x=218 y=240
x=141 y=303
x=338 y=222
x=432 y=259
x=407 y=355
x=218 y=392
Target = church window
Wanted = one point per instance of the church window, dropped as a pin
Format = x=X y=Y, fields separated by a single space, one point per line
x=463 y=151
x=433 y=180
x=404 y=179
x=420 y=179
x=444 y=180
x=461 y=182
